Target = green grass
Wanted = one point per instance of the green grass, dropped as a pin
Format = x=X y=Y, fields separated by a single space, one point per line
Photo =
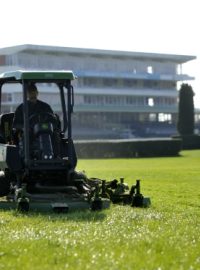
x=165 y=236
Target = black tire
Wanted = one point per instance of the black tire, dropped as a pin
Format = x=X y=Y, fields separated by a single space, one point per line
x=4 y=185
x=23 y=206
x=97 y=205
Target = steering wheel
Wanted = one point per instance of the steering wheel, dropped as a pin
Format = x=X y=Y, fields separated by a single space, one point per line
x=43 y=117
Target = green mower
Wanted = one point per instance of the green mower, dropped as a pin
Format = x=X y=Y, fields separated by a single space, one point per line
x=38 y=170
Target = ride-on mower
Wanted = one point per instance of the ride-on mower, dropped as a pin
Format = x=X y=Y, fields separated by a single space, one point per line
x=38 y=169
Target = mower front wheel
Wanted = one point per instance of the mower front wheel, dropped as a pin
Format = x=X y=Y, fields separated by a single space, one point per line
x=96 y=205
x=4 y=185
x=23 y=206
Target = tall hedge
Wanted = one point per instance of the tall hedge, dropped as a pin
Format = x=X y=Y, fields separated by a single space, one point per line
x=185 y=123
x=129 y=148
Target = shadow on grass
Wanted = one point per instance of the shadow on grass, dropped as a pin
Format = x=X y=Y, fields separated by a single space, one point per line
x=160 y=156
x=79 y=216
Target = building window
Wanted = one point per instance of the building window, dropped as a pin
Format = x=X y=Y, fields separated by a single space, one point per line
x=6 y=97
x=164 y=117
x=152 y=117
x=150 y=102
x=150 y=69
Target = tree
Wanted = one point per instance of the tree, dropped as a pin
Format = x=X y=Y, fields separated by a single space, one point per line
x=185 y=124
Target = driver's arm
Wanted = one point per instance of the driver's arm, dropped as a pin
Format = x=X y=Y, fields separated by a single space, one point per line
x=18 y=118
x=49 y=109
x=17 y=128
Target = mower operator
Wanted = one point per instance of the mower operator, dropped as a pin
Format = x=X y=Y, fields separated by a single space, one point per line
x=35 y=106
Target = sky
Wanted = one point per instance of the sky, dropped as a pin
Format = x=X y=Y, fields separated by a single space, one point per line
x=154 y=26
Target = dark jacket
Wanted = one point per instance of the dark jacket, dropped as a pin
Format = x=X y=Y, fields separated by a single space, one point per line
x=33 y=108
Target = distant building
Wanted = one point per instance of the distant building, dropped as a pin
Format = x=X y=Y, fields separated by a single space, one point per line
x=118 y=94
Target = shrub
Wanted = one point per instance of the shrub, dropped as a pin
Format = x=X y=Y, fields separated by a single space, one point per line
x=185 y=123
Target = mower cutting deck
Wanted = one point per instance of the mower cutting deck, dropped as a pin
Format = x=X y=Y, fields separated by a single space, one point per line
x=38 y=170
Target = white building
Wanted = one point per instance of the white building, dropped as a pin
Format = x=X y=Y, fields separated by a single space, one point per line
x=117 y=93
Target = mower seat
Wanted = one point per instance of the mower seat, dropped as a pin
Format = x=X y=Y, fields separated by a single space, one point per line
x=6 y=121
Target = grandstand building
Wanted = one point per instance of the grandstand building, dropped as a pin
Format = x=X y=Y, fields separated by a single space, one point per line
x=118 y=94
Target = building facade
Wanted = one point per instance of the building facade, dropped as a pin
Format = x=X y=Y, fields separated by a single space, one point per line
x=118 y=94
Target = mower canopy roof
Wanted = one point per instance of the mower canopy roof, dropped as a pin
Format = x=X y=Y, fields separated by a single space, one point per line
x=43 y=75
